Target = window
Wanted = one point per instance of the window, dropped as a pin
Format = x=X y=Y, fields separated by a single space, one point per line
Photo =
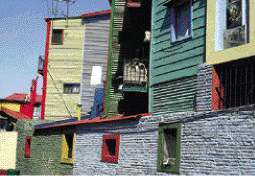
x=67 y=148
x=28 y=146
x=233 y=84
x=110 y=148
x=169 y=148
x=57 y=37
x=71 y=88
x=181 y=20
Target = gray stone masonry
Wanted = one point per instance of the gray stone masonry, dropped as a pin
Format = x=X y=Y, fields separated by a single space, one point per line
x=218 y=142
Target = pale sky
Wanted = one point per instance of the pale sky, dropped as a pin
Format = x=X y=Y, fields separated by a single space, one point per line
x=23 y=36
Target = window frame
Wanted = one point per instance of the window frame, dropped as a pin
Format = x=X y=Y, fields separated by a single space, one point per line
x=28 y=145
x=73 y=85
x=62 y=37
x=176 y=167
x=172 y=8
x=106 y=157
x=64 y=151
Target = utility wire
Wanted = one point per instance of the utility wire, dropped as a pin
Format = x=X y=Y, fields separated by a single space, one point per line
x=60 y=94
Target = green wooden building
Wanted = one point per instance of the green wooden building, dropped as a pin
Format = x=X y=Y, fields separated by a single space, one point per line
x=177 y=48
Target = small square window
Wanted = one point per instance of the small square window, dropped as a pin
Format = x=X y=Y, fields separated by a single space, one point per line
x=71 y=88
x=169 y=148
x=181 y=20
x=67 y=148
x=57 y=37
x=110 y=148
x=28 y=146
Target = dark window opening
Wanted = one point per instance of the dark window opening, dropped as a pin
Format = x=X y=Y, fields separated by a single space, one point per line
x=69 y=141
x=236 y=83
x=111 y=146
x=169 y=152
x=71 y=88
x=57 y=36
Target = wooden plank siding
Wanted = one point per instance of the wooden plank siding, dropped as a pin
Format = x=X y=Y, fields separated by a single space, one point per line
x=173 y=66
x=112 y=97
x=96 y=45
x=64 y=66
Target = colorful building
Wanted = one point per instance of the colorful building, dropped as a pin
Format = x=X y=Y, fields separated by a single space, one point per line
x=70 y=45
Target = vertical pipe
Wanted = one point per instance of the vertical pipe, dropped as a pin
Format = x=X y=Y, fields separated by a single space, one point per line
x=45 y=69
x=246 y=84
x=252 y=84
x=230 y=85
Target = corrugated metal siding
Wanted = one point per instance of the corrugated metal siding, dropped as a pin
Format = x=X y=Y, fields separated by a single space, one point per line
x=174 y=96
x=64 y=66
x=96 y=44
x=117 y=25
x=173 y=61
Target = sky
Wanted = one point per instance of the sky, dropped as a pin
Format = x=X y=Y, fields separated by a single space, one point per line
x=23 y=37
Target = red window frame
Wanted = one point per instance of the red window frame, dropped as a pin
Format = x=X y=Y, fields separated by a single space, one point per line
x=28 y=146
x=61 y=39
x=105 y=150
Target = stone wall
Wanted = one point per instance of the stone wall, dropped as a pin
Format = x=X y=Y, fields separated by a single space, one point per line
x=204 y=88
x=219 y=142
x=45 y=152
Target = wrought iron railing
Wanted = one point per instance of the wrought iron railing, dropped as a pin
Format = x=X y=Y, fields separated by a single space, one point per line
x=237 y=85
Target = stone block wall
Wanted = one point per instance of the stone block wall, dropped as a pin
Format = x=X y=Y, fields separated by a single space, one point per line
x=212 y=142
x=204 y=88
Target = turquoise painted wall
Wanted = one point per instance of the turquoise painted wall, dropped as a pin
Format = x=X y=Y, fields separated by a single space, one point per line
x=173 y=66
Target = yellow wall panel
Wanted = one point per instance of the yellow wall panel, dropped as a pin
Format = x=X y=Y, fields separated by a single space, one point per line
x=11 y=106
x=226 y=55
x=8 y=147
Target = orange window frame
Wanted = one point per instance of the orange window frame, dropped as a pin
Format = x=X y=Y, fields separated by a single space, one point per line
x=106 y=156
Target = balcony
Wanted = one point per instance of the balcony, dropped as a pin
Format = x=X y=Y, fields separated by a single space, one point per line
x=40 y=65
x=135 y=75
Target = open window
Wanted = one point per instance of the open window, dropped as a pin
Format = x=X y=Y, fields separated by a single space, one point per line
x=181 y=19
x=57 y=36
x=233 y=84
x=67 y=148
x=28 y=144
x=169 y=148
x=110 y=148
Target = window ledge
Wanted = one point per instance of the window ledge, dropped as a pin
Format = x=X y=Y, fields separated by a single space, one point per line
x=184 y=39
x=67 y=160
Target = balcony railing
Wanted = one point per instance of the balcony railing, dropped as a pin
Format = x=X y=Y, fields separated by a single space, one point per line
x=40 y=65
x=135 y=75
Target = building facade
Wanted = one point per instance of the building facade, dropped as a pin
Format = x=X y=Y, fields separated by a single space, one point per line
x=70 y=45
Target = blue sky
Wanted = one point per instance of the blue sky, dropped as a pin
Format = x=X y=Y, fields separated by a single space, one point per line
x=22 y=39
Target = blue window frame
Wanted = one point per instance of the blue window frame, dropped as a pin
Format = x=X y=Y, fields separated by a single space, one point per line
x=181 y=20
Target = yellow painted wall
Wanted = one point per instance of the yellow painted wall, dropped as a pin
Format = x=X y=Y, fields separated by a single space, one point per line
x=11 y=106
x=226 y=55
x=64 y=65
x=8 y=147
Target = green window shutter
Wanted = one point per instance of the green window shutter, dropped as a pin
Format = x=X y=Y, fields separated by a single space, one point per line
x=169 y=148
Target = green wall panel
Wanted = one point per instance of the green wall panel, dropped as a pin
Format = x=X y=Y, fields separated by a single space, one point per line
x=173 y=63
x=45 y=152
